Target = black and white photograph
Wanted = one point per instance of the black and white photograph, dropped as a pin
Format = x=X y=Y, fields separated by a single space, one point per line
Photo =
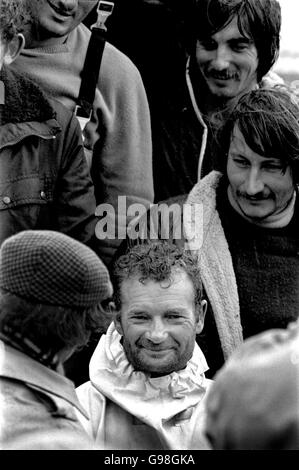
x=149 y=228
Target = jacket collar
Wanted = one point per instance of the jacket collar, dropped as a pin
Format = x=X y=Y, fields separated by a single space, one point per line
x=24 y=101
x=17 y=366
x=152 y=400
x=206 y=238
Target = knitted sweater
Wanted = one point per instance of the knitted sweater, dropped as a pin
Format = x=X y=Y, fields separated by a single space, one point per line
x=119 y=131
x=266 y=267
x=250 y=274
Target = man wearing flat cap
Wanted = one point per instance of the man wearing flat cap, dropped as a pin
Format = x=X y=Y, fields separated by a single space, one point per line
x=51 y=288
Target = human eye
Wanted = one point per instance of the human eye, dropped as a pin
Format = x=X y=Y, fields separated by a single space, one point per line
x=139 y=316
x=208 y=44
x=239 y=46
x=174 y=316
x=240 y=161
x=273 y=166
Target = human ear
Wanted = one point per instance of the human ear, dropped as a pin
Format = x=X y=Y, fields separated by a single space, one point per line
x=201 y=316
x=14 y=48
x=117 y=323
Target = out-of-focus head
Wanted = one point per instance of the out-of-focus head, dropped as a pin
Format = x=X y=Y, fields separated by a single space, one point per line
x=236 y=43
x=52 y=20
x=159 y=306
x=51 y=290
x=261 y=137
x=13 y=17
x=254 y=401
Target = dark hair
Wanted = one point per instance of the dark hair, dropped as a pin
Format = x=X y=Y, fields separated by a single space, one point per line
x=259 y=20
x=13 y=16
x=268 y=118
x=48 y=327
x=155 y=261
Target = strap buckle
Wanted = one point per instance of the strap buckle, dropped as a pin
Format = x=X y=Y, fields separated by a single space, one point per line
x=80 y=112
x=104 y=10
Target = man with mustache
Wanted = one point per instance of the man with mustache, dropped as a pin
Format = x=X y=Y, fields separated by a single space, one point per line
x=213 y=52
x=117 y=139
x=147 y=386
x=248 y=255
x=242 y=221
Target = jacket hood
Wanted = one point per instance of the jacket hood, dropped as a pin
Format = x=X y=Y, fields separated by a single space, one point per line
x=136 y=392
x=209 y=243
x=24 y=101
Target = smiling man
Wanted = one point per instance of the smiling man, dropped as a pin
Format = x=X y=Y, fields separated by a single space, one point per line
x=117 y=138
x=147 y=386
x=231 y=47
x=236 y=43
x=249 y=253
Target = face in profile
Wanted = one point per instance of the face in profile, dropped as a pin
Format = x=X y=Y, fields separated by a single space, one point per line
x=56 y=18
x=228 y=62
x=158 y=323
x=260 y=186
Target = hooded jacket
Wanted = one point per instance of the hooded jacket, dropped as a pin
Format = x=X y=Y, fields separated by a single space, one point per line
x=130 y=410
x=215 y=263
x=44 y=179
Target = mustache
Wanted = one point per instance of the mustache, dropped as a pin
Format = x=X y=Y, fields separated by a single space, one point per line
x=256 y=197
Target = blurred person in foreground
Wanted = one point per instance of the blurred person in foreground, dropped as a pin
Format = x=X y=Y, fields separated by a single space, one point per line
x=51 y=288
x=254 y=402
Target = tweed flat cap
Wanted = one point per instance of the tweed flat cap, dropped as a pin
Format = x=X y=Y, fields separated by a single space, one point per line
x=52 y=268
x=254 y=402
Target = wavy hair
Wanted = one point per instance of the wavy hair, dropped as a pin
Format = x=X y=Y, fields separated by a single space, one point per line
x=14 y=15
x=268 y=118
x=260 y=20
x=156 y=261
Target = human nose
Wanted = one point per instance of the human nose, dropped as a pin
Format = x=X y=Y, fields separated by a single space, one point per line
x=67 y=5
x=254 y=183
x=157 y=332
x=222 y=58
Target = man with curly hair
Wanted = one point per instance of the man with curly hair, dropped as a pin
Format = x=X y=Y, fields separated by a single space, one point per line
x=147 y=384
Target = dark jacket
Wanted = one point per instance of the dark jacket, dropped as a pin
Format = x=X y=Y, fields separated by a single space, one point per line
x=44 y=178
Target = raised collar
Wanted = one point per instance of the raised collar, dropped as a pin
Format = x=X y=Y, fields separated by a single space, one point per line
x=152 y=400
x=17 y=366
x=24 y=101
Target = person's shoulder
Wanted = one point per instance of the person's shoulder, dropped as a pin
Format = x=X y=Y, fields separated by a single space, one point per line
x=63 y=115
x=117 y=63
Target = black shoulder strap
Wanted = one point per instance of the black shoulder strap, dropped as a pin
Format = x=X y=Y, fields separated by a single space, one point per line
x=93 y=59
x=90 y=73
